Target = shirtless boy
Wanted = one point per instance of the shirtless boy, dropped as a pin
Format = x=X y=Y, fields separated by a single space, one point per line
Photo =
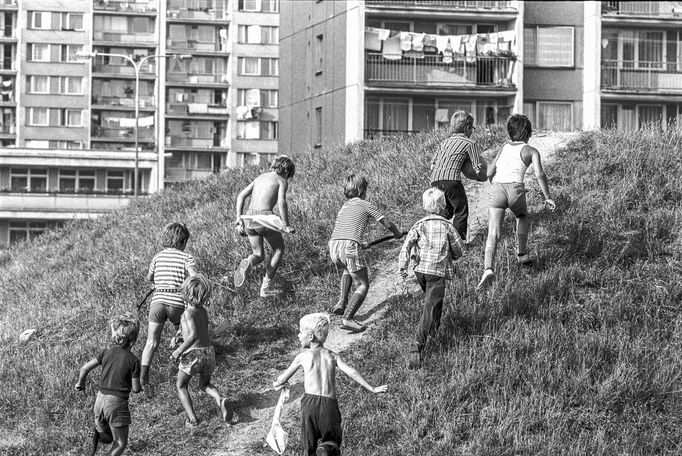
x=267 y=191
x=320 y=414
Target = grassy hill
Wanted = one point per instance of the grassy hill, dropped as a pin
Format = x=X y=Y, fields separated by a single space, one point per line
x=578 y=356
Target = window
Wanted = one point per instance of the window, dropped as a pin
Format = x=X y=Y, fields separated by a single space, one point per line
x=72 y=117
x=37 y=116
x=39 y=20
x=72 y=21
x=270 y=6
x=257 y=130
x=269 y=130
x=55 y=117
x=265 y=6
x=38 y=84
x=318 y=127
x=269 y=35
x=76 y=180
x=53 y=144
x=248 y=66
x=549 y=46
x=269 y=98
x=71 y=85
x=319 y=53
x=37 y=144
x=38 y=52
x=25 y=230
x=269 y=67
x=115 y=181
x=69 y=52
x=249 y=5
x=28 y=179
x=249 y=34
x=555 y=116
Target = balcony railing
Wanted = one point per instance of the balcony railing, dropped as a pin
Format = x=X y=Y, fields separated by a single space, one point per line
x=127 y=102
x=450 y=4
x=56 y=202
x=651 y=9
x=207 y=14
x=8 y=129
x=122 y=69
x=124 y=6
x=196 y=108
x=638 y=75
x=121 y=133
x=371 y=133
x=197 y=78
x=182 y=174
x=193 y=45
x=10 y=3
x=195 y=142
x=125 y=37
x=431 y=71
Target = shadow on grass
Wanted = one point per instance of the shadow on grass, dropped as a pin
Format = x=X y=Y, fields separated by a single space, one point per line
x=263 y=400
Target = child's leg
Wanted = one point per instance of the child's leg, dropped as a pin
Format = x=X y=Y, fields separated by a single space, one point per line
x=276 y=241
x=361 y=280
x=495 y=220
x=346 y=282
x=183 y=394
x=120 y=435
x=433 y=308
x=153 y=337
x=309 y=430
x=256 y=241
x=522 y=234
x=206 y=386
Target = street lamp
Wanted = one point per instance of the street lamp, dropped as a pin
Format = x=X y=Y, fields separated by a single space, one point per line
x=136 y=65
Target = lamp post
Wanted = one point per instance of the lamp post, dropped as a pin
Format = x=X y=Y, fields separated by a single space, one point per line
x=136 y=66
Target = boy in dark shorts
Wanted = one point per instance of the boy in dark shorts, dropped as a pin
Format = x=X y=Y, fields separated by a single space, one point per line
x=168 y=270
x=260 y=223
x=120 y=376
x=196 y=353
x=346 y=248
x=320 y=414
x=433 y=243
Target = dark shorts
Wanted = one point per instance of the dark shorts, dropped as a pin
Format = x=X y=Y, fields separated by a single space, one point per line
x=159 y=313
x=111 y=411
x=511 y=195
x=320 y=419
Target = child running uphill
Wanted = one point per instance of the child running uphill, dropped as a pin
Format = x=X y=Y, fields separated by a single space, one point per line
x=346 y=245
x=266 y=191
x=320 y=414
x=433 y=243
x=196 y=353
x=508 y=191
x=168 y=270
x=120 y=376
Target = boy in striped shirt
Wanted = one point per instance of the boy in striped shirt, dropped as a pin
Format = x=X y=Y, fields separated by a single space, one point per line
x=168 y=270
x=346 y=245
x=433 y=243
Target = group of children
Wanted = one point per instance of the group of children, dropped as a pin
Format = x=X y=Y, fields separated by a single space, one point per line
x=431 y=246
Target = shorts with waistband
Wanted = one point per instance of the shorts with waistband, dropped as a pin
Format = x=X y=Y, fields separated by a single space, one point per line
x=320 y=419
x=347 y=254
x=509 y=195
x=198 y=361
x=160 y=312
x=253 y=230
x=111 y=411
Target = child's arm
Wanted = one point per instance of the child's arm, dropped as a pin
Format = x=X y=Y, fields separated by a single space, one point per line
x=191 y=336
x=85 y=370
x=390 y=226
x=283 y=206
x=404 y=257
x=282 y=379
x=492 y=169
x=542 y=178
x=239 y=223
x=137 y=386
x=456 y=244
x=355 y=375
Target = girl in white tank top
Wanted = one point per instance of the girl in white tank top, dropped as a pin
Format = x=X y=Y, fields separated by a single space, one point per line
x=509 y=165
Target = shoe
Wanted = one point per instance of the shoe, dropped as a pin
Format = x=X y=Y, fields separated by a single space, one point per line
x=352 y=326
x=339 y=308
x=226 y=411
x=241 y=272
x=327 y=449
x=415 y=359
x=487 y=278
x=94 y=441
x=269 y=291
x=524 y=259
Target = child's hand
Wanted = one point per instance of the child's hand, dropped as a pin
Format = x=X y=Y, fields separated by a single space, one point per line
x=289 y=229
x=175 y=355
x=364 y=245
x=79 y=387
x=551 y=204
x=380 y=389
x=279 y=386
x=403 y=273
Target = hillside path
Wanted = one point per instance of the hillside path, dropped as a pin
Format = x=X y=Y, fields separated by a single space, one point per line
x=248 y=438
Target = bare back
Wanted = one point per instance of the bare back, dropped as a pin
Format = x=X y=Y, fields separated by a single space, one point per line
x=265 y=191
x=194 y=322
x=319 y=368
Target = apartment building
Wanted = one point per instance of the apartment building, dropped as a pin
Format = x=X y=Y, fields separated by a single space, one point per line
x=192 y=83
x=358 y=69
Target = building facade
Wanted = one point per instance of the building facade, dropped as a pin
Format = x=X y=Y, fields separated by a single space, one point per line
x=192 y=83
x=357 y=69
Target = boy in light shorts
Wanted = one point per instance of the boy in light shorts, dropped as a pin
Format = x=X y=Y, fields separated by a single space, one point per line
x=346 y=248
x=506 y=175
x=196 y=353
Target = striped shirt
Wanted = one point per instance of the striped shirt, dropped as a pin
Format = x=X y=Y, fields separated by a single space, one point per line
x=447 y=163
x=170 y=267
x=352 y=219
x=434 y=244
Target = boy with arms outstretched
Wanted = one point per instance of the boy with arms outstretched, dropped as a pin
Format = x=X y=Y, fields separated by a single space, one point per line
x=506 y=175
x=433 y=243
x=320 y=414
x=120 y=376
x=267 y=191
x=196 y=353
x=346 y=248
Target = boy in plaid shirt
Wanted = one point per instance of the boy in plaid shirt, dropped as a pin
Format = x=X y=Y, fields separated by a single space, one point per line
x=433 y=244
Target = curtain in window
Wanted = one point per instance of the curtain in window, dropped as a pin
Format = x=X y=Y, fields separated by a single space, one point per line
x=650 y=114
x=555 y=46
x=554 y=116
x=395 y=115
x=650 y=53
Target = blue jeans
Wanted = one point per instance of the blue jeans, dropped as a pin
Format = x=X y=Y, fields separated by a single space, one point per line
x=434 y=287
x=456 y=204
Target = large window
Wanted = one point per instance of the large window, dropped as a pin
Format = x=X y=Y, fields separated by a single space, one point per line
x=38 y=52
x=25 y=230
x=55 y=117
x=556 y=116
x=265 y=6
x=28 y=179
x=115 y=181
x=38 y=84
x=258 y=66
x=257 y=130
x=549 y=46
x=258 y=34
x=38 y=116
x=71 y=21
x=76 y=180
x=39 y=20
x=267 y=98
x=53 y=144
x=69 y=52
x=71 y=85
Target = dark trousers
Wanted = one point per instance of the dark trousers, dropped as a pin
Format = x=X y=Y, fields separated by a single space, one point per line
x=434 y=287
x=320 y=419
x=456 y=204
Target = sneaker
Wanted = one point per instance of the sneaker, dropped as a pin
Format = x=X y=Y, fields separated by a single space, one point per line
x=226 y=411
x=339 y=308
x=486 y=279
x=94 y=441
x=327 y=450
x=269 y=291
x=241 y=272
x=524 y=259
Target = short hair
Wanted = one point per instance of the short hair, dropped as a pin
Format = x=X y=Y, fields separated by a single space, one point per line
x=196 y=290
x=354 y=186
x=519 y=127
x=124 y=329
x=433 y=200
x=283 y=166
x=460 y=120
x=174 y=235
x=318 y=324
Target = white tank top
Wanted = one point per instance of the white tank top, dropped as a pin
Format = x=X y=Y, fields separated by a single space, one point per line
x=510 y=167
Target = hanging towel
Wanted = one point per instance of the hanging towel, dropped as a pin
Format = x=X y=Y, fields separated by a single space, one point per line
x=442 y=42
x=507 y=35
x=471 y=48
x=430 y=44
x=391 y=49
x=372 y=42
x=243 y=113
x=405 y=41
x=457 y=43
x=418 y=42
x=277 y=437
x=383 y=33
x=442 y=115
x=447 y=53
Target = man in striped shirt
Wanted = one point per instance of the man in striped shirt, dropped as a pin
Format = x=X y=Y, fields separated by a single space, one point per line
x=446 y=168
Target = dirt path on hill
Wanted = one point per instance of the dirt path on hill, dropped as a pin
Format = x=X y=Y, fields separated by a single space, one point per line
x=248 y=437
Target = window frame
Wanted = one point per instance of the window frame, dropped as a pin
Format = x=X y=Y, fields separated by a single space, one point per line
x=43 y=14
x=33 y=52
x=31 y=83
x=65 y=22
x=31 y=117
x=536 y=48
x=553 y=102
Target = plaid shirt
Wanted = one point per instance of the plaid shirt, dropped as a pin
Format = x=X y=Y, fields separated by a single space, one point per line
x=434 y=244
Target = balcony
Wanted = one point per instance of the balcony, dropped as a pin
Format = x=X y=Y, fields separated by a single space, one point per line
x=108 y=101
x=646 y=9
x=197 y=78
x=195 y=46
x=125 y=6
x=8 y=5
x=449 y=4
x=197 y=14
x=68 y=203
x=483 y=72
x=213 y=142
x=123 y=69
x=183 y=174
x=183 y=109
x=649 y=77
x=120 y=134
x=126 y=38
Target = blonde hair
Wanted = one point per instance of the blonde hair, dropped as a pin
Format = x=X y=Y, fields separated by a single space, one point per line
x=124 y=329
x=283 y=166
x=318 y=324
x=196 y=290
x=433 y=200
x=460 y=120
x=355 y=186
